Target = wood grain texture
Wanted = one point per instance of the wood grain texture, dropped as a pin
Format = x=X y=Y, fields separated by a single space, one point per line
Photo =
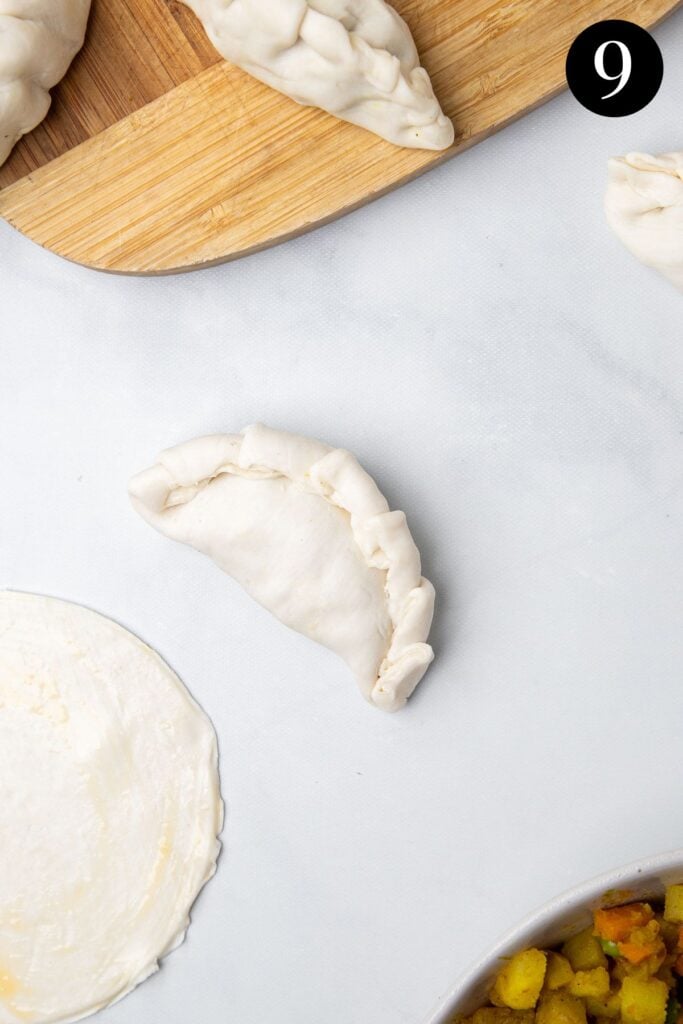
x=136 y=51
x=158 y=157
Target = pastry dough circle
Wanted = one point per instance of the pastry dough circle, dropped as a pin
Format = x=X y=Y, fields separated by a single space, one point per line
x=38 y=41
x=307 y=533
x=109 y=810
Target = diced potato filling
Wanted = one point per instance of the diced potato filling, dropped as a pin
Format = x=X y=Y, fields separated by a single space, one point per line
x=584 y=951
x=560 y=1008
x=644 y=1001
x=608 y=1006
x=558 y=972
x=519 y=983
x=590 y=983
x=627 y=968
x=673 y=904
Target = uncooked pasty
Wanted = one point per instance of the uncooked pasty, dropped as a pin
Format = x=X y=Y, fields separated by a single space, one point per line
x=38 y=41
x=109 y=810
x=306 y=532
x=644 y=205
x=354 y=58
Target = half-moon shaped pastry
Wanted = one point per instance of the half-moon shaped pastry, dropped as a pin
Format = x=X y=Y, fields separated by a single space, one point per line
x=305 y=530
x=644 y=206
x=355 y=59
x=38 y=41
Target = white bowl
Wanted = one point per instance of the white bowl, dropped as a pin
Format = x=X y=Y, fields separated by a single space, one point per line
x=556 y=921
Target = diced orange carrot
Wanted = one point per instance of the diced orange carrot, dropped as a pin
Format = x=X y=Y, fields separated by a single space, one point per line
x=680 y=938
x=635 y=953
x=616 y=924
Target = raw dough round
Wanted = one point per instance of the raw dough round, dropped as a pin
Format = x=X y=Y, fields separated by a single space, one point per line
x=109 y=810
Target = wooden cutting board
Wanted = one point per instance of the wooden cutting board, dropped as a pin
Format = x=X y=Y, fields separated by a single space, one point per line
x=157 y=156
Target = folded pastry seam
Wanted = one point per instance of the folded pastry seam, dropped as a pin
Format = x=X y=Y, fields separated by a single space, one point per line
x=382 y=536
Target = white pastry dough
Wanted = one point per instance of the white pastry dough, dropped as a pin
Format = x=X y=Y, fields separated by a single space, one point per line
x=644 y=206
x=38 y=41
x=109 y=810
x=306 y=532
x=354 y=58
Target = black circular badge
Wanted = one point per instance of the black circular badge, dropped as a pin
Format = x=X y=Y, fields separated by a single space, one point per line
x=614 y=68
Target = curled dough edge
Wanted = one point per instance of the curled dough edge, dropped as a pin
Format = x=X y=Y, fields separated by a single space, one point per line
x=644 y=209
x=356 y=59
x=381 y=535
x=38 y=41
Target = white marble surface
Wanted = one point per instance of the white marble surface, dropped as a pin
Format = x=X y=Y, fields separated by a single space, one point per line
x=513 y=378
